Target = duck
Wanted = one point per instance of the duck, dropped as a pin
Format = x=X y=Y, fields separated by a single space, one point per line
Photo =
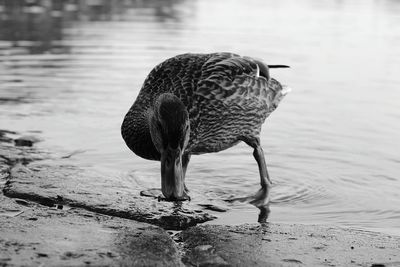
x=193 y=104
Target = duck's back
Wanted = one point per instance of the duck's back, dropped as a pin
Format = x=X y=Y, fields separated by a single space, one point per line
x=232 y=99
x=228 y=97
x=178 y=75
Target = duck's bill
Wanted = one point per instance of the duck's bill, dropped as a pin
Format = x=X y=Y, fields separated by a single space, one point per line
x=172 y=178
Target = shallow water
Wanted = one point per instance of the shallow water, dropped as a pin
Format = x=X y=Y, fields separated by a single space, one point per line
x=69 y=73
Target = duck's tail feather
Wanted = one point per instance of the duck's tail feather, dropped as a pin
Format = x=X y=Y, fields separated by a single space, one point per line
x=278 y=92
x=280 y=95
x=285 y=90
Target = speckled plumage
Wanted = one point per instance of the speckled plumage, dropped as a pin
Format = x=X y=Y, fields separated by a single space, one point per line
x=228 y=98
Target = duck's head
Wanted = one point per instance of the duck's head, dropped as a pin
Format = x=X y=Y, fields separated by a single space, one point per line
x=169 y=128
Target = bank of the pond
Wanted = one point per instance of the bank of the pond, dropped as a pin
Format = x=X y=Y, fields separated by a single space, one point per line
x=49 y=219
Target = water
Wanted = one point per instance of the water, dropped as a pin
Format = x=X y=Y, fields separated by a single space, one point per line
x=70 y=70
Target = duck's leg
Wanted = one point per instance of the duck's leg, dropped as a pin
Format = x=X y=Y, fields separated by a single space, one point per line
x=261 y=198
x=265 y=181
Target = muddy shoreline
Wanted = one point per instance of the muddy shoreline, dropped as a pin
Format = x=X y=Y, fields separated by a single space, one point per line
x=49 y=219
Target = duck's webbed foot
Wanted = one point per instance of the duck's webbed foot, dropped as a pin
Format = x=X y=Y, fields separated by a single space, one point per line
x=260 y=200
x=157 y=194
x=152 y=192
x=185 y=197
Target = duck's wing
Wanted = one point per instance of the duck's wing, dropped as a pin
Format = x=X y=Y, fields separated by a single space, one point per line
x=239 y=83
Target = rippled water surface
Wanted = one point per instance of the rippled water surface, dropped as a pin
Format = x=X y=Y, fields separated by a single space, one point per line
x=70 y=72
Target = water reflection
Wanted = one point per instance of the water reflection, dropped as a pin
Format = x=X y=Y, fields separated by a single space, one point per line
x=39 y=22
x=39 y=25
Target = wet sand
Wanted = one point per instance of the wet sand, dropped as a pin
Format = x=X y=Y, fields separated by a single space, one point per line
x=49 y=219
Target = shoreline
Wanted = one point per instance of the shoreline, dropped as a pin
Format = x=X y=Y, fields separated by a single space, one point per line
x=48 y=219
